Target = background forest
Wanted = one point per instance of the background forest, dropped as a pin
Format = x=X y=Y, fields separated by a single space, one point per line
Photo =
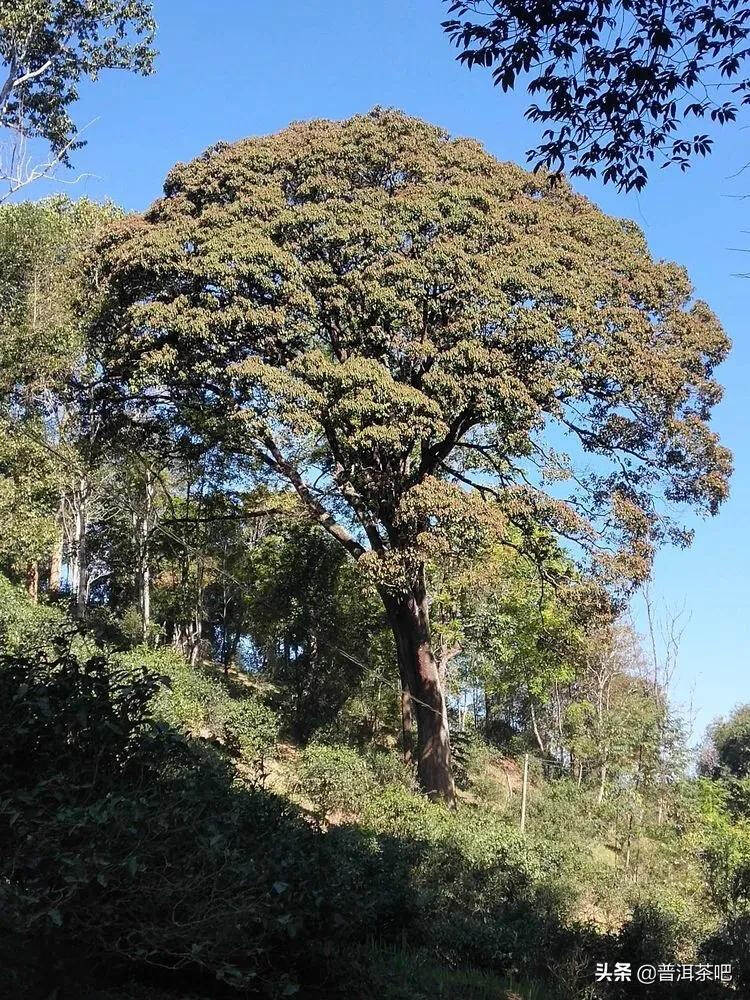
x=325 y=485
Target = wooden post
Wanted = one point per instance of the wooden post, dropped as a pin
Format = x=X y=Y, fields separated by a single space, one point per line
x=524 y=791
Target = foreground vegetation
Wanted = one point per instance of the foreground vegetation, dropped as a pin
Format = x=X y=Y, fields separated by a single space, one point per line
x=162 y=837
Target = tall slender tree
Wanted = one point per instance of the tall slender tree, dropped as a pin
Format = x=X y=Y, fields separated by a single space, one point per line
x=47 y=475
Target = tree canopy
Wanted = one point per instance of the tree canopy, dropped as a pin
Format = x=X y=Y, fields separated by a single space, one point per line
x=618 y=83
x=729 y=745
x=399 y=313
x=325 y=480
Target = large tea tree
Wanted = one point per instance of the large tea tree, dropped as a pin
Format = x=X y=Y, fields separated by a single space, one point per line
x=393 y=323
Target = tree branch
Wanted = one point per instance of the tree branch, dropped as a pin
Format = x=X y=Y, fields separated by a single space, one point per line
x=278 y=463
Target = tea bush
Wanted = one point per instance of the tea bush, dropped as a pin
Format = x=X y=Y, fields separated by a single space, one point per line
x=23 y=624
x=138 y=862
x=126 y=847
x=334 y=777
x=201 y=703
x=251 y=731
x=388 y=768
x=730 y=945
x=472 y=887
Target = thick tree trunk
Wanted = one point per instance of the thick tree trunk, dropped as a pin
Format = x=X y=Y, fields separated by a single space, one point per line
x=55 y=567
x=419 y=669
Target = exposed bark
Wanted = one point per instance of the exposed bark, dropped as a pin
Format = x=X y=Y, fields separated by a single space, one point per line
x=444 y=658
x=629 y=841
x=276 y=461
x=602 y=784
x=603 y=682
x=423 y=699
x=142 y=524
x=407 y=723
x=560 y=736
x=187 y=639
x=145 y=598
x=535 y=727
x=56 y=561
x=32 y=581
x=409 y=620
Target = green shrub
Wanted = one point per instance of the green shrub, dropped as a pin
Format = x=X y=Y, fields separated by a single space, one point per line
x=125 y=847
x=651 y=935
x=397 y=973
x=727 y=861
x=333 y=777
x=738 y=798
x=192 y=700
x=655 y=935
x=559 y=811
x=470 y=756
x=251 y=731
x=388 y=768
x=129 y=843
x=730 y=945
x=466 y=885
x=24 y=625
x=731 y=739
x=200 y=703
x=402 y=812
x=131 y=628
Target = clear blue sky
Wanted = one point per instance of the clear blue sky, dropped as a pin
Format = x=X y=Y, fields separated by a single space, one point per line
x=229 y=69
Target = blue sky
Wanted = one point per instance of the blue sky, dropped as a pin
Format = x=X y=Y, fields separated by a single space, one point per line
x=230 y=69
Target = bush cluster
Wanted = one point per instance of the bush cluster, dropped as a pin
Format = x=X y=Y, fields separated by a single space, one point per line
x=129 y=851
x=24 y=625
x=201 y=703
x=142 y=857
x=334 y=777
